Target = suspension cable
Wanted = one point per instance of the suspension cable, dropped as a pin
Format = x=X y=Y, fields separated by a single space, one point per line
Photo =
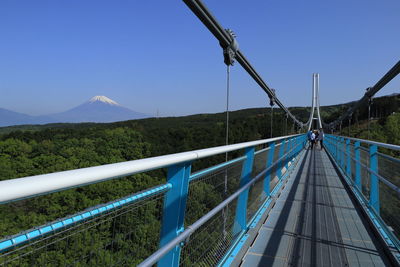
x=225 y=40
x=227 y=109
x=370 y=92
x=272 y=116
x=369 y=116
x=272 y=103
x=286 y=128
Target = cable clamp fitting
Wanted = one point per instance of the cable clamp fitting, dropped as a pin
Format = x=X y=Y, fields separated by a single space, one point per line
x=231 y=50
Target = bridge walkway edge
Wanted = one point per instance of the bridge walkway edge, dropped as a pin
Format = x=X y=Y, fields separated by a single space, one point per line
x=314 y=222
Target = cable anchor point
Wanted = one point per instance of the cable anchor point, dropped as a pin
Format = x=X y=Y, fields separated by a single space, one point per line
x=230 y=50
x=272 y=98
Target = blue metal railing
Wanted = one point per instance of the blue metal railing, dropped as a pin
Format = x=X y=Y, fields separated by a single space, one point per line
x=169 y=253
x=235 y=192
x=373 y=174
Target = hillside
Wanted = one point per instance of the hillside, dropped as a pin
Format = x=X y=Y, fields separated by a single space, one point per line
x=34 y=149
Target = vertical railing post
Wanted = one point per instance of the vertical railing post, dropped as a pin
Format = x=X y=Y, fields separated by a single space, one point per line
x=174 y=210
x=335 y=148
x=298 y=141
x=270 y=160
x=358 y=166
x=281 y=153
x=335 y=144
x=342 y=153
x=330 y=141
x=373 y=165
x=241 y=208
x=348 y=159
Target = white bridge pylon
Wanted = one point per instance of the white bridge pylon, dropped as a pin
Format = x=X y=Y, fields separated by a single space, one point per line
x=315 y=103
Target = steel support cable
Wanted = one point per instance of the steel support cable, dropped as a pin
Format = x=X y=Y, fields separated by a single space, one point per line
x=392 y=73
x=225 y=210
x=205 y=16
x=227 y=109
x=272 y=117
x=369 y=115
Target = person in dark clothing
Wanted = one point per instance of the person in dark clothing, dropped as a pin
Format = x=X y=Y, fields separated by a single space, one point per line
x=321 y=137
x=316 y=137
x=309 y=138
x=312 y=138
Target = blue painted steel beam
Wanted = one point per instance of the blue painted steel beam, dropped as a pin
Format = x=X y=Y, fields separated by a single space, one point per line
x=342 y=153
x=358 y=166
x=174 y=210
x=373 y=165
x=348 y=157
x=241 y=209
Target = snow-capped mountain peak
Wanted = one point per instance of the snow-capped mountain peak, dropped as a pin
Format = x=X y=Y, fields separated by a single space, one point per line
x=103 y=99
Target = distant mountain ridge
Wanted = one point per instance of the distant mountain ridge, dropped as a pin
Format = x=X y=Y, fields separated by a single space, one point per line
x=97 y=109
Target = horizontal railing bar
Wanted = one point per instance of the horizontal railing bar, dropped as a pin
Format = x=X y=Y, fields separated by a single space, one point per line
x=379 y=224
x=379 y=144
x=389 y=157
x=156 y=256
x=380 y=177
x=90 y=213
x=262 y=150
x=201 y=173
x=21 y=188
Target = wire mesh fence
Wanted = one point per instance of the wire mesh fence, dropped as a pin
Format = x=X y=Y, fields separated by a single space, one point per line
x=352 y=163
x=210 y=243
x=390 y=208
x=260 y=162
x=126 y=234
x=389 y=169
x=207 y=191
x=123 y=236
x=256 y=198
x=365 y=174
x=275 y=168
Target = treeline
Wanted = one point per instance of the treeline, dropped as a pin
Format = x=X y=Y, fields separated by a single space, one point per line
x=26 y=153
x=381 y=107
x=33 y=150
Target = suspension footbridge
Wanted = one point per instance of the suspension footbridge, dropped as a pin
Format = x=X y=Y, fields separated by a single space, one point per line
x=276 y=202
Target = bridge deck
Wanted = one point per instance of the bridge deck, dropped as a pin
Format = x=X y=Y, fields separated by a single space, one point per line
x=314 y=223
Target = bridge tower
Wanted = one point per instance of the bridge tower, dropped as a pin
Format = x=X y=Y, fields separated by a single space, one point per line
x=315 y=119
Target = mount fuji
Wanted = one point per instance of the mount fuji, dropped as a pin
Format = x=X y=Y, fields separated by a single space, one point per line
x=97 y=109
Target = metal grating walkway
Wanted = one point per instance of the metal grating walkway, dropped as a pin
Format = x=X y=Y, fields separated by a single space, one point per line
x=314 y=223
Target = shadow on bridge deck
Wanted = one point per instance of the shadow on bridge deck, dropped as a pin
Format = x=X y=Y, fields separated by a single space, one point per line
x=314 y=223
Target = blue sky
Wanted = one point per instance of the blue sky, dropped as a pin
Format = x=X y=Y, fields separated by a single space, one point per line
x=150 y=55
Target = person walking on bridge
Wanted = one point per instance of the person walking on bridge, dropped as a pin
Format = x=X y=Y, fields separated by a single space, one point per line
x=321 y=137
x=316 y=139
x=309 y=137
x=312 y=139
